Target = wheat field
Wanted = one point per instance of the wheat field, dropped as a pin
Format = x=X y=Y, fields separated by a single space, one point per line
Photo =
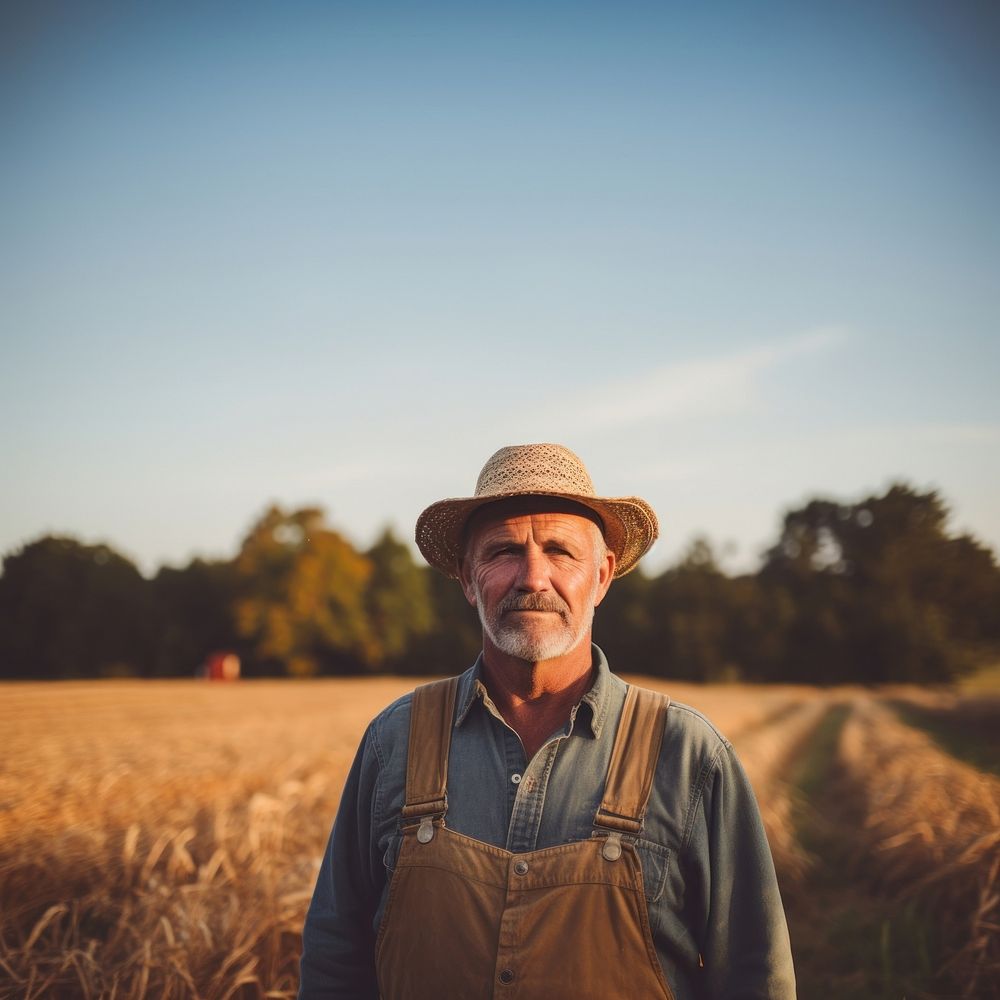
x=161 y=838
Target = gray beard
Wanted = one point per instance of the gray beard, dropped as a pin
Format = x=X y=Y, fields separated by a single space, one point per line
x=523 y=644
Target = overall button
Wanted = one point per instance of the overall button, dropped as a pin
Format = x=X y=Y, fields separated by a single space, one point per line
x=521 y=867
x=506 y=977
x=516 y=778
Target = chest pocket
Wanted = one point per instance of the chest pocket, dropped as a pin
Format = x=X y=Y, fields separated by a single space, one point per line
x=654 y=860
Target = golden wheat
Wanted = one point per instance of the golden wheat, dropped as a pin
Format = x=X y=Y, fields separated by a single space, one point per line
x=162 y=838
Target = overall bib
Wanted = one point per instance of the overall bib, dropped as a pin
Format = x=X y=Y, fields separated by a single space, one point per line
x=467 y=920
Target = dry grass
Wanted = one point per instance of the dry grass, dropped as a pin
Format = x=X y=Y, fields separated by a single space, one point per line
x=162 y=838
x=930 y=827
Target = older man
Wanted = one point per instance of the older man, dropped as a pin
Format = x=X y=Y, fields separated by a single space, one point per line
x=536 y=828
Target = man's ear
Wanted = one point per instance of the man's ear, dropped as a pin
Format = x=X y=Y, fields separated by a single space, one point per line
x=605 y=574
x=465 y=578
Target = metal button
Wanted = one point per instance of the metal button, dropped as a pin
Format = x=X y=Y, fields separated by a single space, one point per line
x=516 y=778
x=521 y=867
x=507 y=977
x=612 y=847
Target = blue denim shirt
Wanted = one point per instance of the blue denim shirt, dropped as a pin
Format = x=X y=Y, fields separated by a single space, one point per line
x=714 y=908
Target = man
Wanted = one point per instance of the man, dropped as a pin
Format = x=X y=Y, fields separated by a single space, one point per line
x=536 y=827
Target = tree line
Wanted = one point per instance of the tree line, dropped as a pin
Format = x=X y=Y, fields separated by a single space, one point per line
x=874 y=591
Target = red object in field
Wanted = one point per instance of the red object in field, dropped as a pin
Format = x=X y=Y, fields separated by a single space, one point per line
x=223 y=666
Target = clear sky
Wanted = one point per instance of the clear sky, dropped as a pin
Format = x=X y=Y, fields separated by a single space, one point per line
x=733 y=255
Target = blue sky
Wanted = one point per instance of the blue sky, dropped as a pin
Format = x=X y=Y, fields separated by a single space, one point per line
x=734 y=255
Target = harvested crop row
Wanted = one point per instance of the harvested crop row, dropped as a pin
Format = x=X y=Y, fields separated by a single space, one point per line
x=967 y=728
x=931 y=825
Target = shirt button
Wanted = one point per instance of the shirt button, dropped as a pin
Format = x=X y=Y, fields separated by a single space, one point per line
x=521 y=867
x=516 y=778
x=507 y=977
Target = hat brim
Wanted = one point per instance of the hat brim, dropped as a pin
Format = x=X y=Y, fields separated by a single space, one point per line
x=630 y=526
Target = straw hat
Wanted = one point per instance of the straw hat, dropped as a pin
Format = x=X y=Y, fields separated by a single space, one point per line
x=550 y=470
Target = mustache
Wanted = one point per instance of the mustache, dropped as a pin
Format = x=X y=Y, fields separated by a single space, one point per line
x=533 y=602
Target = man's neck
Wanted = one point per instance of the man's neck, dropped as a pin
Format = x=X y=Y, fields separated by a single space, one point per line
x=536 y=698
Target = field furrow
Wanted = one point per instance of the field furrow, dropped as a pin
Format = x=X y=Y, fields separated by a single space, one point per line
x=768 y=753
x=931 y=826
x=902 y=841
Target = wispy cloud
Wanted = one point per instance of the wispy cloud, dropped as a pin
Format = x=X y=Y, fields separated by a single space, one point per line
x=723 y=384
x=959 y=434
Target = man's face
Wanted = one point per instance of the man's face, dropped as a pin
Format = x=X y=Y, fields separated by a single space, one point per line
x=535 y=580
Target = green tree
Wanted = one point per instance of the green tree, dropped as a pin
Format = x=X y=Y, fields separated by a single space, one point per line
x=624 y=627
x=692 y=621
x=691 y=607
x=456 y=638
x=398 y=602
x=301 y=604
x=195 y=605
x=74 y=610
x=882 y=591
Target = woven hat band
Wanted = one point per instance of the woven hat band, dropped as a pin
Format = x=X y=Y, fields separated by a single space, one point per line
x=530 y=503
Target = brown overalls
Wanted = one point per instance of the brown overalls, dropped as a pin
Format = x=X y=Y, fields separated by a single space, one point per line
x=468 y=920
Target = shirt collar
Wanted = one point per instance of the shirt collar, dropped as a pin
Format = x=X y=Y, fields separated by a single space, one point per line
x=597 y=699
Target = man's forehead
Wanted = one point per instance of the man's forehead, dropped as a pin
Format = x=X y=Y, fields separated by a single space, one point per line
x=507 y=512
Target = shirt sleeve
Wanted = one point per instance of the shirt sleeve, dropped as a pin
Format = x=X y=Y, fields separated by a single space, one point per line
x=745 y=946
x=338 y=939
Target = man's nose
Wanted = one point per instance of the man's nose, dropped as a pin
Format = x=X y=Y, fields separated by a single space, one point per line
x=534 y=574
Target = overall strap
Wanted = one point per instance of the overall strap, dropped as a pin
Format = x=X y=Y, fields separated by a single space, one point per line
x=633 y=761
x=432 y=713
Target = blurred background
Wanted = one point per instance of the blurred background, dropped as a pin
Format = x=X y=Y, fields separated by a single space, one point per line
x=274 y=278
